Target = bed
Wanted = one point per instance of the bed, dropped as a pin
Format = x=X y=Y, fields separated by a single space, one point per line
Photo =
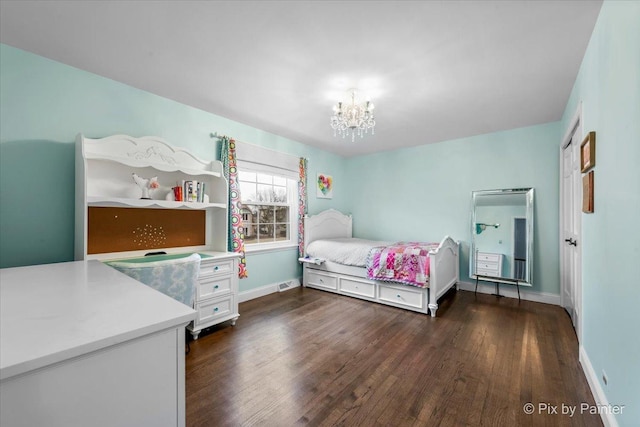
x=334 y=261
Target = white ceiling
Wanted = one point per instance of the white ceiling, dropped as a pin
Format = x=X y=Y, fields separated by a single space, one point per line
x=436 y=70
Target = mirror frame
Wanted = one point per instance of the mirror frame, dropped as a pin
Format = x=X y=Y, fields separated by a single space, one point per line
x=528 y=192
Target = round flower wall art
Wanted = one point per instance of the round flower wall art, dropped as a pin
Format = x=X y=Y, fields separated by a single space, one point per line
x=324 y=188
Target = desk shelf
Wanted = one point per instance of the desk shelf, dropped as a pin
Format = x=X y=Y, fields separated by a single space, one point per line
x=149 y=203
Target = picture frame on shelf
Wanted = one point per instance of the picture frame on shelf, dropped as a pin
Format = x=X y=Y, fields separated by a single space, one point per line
x=588 y=152
x=587 y=193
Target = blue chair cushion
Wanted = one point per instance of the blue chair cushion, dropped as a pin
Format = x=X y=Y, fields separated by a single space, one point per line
x=176 y=278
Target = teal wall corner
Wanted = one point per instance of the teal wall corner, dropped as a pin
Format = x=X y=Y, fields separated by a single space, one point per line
x=424 y=192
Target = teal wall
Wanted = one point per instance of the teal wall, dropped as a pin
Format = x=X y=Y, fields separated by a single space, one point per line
x=608 y=85
x=424 y=192
x=44 y=104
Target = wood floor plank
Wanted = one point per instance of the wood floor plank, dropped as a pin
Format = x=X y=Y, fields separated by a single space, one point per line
x=308 y=357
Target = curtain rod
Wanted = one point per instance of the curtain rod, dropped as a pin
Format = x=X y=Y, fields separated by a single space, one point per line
x=215 y=135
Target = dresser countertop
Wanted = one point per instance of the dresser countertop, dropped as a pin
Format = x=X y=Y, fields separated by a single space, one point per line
x=54 y=312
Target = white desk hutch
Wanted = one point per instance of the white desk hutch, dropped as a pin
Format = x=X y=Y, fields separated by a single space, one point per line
x=114 y=222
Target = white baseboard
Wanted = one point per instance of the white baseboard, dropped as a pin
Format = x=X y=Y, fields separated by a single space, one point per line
x=266 y=290
x=510 y=291
x=608 y=419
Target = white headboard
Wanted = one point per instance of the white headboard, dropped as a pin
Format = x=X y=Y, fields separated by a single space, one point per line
x=329 y=224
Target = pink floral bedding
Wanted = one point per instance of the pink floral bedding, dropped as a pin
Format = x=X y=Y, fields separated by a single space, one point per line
x=404 y=262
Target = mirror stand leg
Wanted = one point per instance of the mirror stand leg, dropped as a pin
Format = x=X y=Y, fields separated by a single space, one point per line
x=476 y=291
x=518 y=287
x=498 y=291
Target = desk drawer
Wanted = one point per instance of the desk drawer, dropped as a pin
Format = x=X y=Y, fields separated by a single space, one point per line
x=213 y=286
x=399 y=296
x=483 y=256
x=325 y=281
x=356 y=287
x=215 y=267
x=209 y=311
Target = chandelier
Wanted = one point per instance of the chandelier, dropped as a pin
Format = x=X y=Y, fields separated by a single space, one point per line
x=352 y=119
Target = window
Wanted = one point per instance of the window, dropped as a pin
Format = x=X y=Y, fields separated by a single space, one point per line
x=268 y=182
x=269 y=208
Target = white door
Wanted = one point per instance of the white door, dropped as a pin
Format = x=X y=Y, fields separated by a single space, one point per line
x=571 y=204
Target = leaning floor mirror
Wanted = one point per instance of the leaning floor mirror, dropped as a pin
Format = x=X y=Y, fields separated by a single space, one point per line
x=502 y=236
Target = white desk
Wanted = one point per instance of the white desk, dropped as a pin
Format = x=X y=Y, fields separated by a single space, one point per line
x=82 y=344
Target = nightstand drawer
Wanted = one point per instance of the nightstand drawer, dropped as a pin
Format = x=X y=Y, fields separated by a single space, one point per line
x=215 y=267
x=483 y=256
x=490 y=273
x=492 y=266
x=212 y=287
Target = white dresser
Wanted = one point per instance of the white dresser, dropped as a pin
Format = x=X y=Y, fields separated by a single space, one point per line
x=489 y=264
x=217 y=292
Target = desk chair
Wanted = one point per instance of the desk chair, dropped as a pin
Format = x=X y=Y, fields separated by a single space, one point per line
x=176 y=278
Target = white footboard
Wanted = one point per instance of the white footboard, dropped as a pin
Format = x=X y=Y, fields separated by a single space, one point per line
x=444 y=274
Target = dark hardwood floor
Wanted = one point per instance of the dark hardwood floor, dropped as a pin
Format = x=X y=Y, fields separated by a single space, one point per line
x=310 y=357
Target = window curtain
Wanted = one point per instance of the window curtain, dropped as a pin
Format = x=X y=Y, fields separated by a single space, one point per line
x=302 y=204
x=236 y=229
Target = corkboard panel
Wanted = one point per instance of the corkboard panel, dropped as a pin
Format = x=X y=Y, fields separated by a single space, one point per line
x=126 y=229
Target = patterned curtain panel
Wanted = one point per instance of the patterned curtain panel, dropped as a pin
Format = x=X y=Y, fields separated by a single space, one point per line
x=236 y=229
x=302 y=204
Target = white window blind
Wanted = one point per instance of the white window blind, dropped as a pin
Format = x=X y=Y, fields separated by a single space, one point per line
x=265 y=160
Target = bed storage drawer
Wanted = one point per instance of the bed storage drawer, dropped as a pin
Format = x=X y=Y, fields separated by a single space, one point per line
x=401 y=296
x=358 y=287
x=324 y=281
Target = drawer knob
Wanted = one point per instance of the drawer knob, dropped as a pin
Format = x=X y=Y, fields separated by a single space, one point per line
x=216 y=268
x=398 y=296
x=216 y=287
x=321 y=281
x=215 y=309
